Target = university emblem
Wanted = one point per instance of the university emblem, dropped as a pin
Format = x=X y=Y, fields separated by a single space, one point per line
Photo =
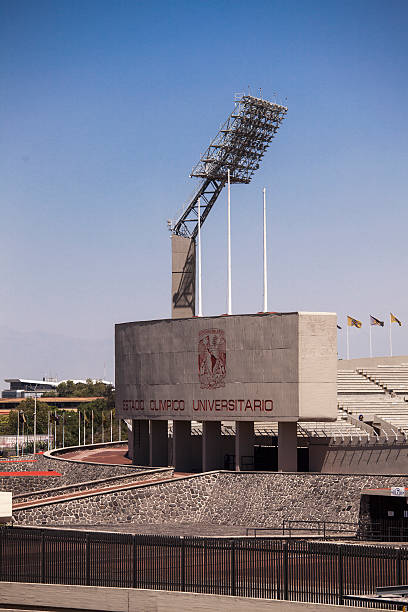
x=212 y=358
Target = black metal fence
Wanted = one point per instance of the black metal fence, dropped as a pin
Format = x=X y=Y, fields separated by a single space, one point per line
x=386 y=530
x=250 y=567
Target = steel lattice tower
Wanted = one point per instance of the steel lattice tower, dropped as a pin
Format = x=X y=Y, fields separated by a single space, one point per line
x=238 y=147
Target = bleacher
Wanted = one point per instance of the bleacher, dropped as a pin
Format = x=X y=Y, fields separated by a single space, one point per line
x=309 y=429
x=339 y=429
x=351 y=382
x=392 y=410
x=363 y=392
x=393 y=378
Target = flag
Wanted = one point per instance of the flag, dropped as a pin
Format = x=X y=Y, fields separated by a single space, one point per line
x=394 y=319
x=54 y=418
x=85 y=416
x=353 y=322
x=374 y=321
x=103 y=417
x=338 y=327
x=22 y=417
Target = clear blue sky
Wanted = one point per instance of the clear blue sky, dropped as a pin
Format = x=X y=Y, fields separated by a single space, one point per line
x=106 y=105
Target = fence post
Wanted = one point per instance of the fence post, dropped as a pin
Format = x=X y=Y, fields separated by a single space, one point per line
x=285 y=571
x=398 y=568
x=134 y=563
x=340 y=574
x=233 y=580
x=183 y=563
x=87 y=561
x=42 y=557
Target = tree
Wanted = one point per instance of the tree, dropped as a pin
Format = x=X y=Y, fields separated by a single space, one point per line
x=27 y=406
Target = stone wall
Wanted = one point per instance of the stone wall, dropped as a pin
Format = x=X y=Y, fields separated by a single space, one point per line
x=20 y=465
x=262 y=499
x=161 y=473
x=177 y=501
x=80 y=471
x=22 y=484
x=266 y=499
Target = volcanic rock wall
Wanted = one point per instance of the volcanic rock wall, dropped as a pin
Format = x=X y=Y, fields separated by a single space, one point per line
x=220 y=498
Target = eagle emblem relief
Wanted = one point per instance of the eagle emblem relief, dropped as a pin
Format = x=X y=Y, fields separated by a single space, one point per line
x=212 y=358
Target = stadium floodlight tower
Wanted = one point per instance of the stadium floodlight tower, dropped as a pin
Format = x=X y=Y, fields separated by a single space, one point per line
x=238 y=147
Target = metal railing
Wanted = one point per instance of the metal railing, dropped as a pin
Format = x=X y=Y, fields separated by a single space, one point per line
x=297 y=570
x=323 y=529
x=387 y=530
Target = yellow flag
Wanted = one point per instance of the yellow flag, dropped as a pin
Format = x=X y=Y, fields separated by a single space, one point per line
x=353 y=322
x=394 y=319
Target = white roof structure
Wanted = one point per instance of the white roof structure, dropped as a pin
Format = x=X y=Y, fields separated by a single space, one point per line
x=53 y=383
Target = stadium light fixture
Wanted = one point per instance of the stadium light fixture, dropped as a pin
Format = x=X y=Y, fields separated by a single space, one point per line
x=238 y=148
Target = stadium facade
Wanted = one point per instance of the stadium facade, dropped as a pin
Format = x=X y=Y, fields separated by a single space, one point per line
x=269 y=368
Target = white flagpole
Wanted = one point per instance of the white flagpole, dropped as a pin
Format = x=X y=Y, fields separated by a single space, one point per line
x=79 y=427
x=92 y=428
x=55 y=428
x=200 y=307
x=265 y=271
x=63 y=429
x=120 y=430
x=49 y=443
x=111 y=427
x=18 y=432
x=390 y=337
x=229 y=311
x=371 y=342
x=347 y=337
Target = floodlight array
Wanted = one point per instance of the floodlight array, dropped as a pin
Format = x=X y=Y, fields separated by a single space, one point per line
x=238 y=147
x=242 y=141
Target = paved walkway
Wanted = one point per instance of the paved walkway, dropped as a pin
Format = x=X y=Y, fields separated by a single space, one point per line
x=116 y=455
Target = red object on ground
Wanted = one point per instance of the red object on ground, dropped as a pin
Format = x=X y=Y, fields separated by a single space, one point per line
x=30 y=474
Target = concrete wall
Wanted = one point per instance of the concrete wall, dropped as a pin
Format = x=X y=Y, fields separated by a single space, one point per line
x=359 y=458
x=183 y=266
x=370 y=362
x=142 y=600
x=241 y=367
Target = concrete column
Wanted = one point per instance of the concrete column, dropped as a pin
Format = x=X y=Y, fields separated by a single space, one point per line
x=140 y=435
x=287 y=446
x=183 y=272
x=182 y=446
x=159 y=443
x=211 y=449
x=244 y=445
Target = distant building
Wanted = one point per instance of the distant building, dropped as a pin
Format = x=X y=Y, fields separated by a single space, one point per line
x=24 y=387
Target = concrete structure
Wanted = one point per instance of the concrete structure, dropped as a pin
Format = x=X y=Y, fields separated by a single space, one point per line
x=6 y=506
x=100 y=599
x=278 y=367
x=183 y=265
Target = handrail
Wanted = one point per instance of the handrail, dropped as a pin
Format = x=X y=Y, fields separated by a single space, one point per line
x=320 y=528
